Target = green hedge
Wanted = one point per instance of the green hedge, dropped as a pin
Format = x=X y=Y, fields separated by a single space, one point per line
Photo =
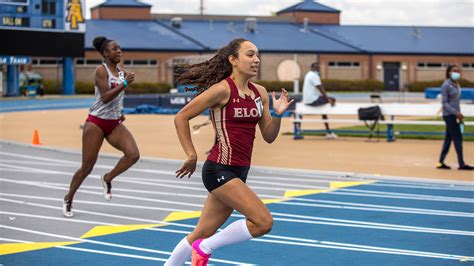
x=352 y=85
x=329 y=84
x=420 y=86
x=146 y=87
x=52 y=87
x=84 y=87
x=276 y=85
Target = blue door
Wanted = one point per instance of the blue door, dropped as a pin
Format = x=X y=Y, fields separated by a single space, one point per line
x=391 y=76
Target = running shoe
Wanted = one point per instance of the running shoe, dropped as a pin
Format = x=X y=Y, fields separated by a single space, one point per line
x=107 y=188
x=331 y=135
x=466 y=167
x=67 y=208
x=442 y=166
x=199 y=258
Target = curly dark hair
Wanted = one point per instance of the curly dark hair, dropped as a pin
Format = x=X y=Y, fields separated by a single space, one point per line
x=205 y=74
x=100 y=42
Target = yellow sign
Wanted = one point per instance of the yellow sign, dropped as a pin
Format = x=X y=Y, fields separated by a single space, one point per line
x=75 y=15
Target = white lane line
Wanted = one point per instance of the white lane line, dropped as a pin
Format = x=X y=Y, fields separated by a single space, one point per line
x=99 y=193
x=91 y=250
x=74 y=163
x=128 y=247
x=157 y=183
x=102 y=214
x=429 y=182
x=378 y=209
x=354 y=247
x=332 y=175
x=97 y=203
x=356 y=225
x=20 y=162
x=251 y=180
x=283 y=202
x=279 y=189
x=34 y=170
x=140 y=191
x=65 y=187
x=343 y=191
x=422 y=187
x=468 y=200
x=168 y=172
x=387 y=196
x=425 y=229
x=286 y=199
x=123 y=179
x=411 y=197
x=85 y=240
x=379 y=206
x=197 y=175
x=75 y=220
x=363 y=248
x=302 y=219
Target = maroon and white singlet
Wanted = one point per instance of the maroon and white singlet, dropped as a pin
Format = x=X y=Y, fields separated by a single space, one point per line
x=234 y=125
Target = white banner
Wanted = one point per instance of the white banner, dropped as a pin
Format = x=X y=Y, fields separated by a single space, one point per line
x=74 y=15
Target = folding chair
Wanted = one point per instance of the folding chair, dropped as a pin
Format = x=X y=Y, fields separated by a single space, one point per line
x=374 y=115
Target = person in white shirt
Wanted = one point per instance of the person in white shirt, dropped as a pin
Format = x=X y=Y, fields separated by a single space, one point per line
x=314 y=94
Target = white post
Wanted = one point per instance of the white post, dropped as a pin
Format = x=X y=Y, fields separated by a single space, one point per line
x=296 y=87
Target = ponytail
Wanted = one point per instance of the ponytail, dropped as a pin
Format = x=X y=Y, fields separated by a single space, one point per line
x=204 y=75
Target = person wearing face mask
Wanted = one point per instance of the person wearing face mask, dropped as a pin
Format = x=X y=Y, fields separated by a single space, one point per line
x=237 y=106
x=105 y=122
x=452 y=116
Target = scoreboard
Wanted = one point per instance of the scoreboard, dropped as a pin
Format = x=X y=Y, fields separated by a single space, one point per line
x=49 y=28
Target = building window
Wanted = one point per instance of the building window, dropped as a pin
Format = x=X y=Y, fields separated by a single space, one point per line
x=127 y=62
x=343 y=64
x=93 y=62
x=88 y=62
x=141 y=62
x=46 y=62
x=48 y=7
x=468 y=65
x=431 y=65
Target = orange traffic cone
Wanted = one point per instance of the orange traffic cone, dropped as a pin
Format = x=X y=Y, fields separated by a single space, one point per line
x=36 y=140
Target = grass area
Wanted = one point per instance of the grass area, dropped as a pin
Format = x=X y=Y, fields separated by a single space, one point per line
x=400 y=129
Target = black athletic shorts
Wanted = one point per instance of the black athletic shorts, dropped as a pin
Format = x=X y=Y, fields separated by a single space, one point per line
x=215 y=175
x=320 y=101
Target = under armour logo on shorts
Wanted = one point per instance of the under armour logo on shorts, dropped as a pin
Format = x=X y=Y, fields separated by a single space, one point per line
x=220 y=179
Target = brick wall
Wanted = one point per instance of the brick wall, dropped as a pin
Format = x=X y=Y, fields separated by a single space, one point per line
x=362 y=72
x=136 y=13
x=370 y=66
x=314 y=17
x=270 y=63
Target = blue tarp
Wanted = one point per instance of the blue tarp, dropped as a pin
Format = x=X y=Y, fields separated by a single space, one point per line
x=466 y=93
